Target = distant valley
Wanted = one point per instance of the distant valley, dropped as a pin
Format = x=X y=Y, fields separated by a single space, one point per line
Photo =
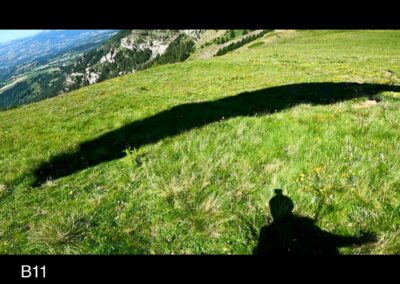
x=31 y=68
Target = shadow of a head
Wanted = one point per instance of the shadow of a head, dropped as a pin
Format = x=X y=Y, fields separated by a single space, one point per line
x=281 y=206
x=296 y=235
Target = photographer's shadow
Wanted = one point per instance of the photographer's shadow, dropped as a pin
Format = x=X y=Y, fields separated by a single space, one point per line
x=296 y=235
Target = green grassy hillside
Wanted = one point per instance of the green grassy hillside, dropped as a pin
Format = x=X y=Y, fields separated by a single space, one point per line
x=183 y=158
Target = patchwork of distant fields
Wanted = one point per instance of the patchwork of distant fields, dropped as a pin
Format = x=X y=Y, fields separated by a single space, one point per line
x=179 y=159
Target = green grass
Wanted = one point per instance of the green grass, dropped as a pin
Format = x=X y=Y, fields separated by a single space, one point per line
x=256 y=44
x=205 y=189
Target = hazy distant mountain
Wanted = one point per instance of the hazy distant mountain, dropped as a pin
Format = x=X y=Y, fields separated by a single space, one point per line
x=20 y=55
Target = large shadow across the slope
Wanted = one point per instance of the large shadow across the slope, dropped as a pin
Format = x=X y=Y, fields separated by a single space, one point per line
x=181 y=118
x=289 y=234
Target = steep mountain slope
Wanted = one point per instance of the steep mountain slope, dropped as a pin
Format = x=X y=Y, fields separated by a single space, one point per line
x=183 y=158
x=127 y=52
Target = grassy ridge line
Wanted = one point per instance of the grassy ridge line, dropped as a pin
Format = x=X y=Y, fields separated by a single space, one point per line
x=205 y=191
x=245 y=40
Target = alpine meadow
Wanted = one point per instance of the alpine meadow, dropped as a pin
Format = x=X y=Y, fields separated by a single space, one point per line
x=185 y=154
